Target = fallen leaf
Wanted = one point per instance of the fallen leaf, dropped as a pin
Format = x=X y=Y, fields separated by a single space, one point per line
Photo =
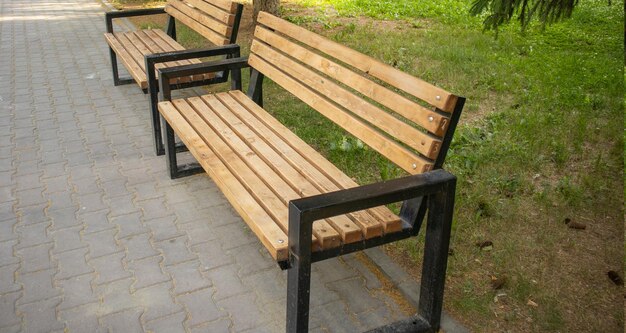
x=485 y=244
x=498 y=282
x=532 y=303
x=576 y=225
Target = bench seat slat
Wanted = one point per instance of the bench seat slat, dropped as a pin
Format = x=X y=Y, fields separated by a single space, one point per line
x=346 y=226
x=231 y=143
x=262 y=193
x=134 y=69
x=161 y=45
x=226 y=129
x=274 y=239
x=145 y=45
x=328 y=177
x=132 y=47
x=400 y=155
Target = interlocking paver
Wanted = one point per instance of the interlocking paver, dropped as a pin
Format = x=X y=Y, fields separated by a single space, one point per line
x=138 y=247
x=72 y=263
x=110 y=267
x=102 y=243
x=8 y=313
x=157 y=301
x=125 y=321
x=7 y=279
x=163 y=228
x=169 y=324
x=187 y=277
x=129 y=225
x=175 y=251
x=148 y=272
x=82 y=319
x=35 y=258
x=226 y=281
x=32 y=234
x=244 y=303
x=40 y=316
x=200 y=307
x=67 y=239
x=37 y=286
x=116 y=297
x=77 y=291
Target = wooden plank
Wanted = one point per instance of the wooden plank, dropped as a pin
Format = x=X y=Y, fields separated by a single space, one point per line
x=280 y=156
x=409 y=84
x=129 y=62
x=420 y=141
x=428 y=119
x=313 y=165
x=207 y=33
x=300 y=185
x=401 y=156
x=158 y=41
x=272 y=237
x=166 y=41
x=203 y=18
x=147 y=38
x=263 y=171
x=225 y=5
x=270 y=201
x=221 y=11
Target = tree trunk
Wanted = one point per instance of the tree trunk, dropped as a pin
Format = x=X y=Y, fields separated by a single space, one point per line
x=270 y=6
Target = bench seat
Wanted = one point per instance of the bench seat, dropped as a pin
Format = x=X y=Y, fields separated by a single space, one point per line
x=260 y=166
x=132 y=46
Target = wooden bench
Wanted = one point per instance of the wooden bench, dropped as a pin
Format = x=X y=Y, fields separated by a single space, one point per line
x=303 y=208
x=143 y=51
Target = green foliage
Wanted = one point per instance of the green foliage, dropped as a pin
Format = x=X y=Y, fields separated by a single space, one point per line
x=500 y=12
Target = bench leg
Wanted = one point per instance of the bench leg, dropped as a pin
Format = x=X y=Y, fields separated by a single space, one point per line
x=299 y=275
x=439 y=225
x=116 y=75
x=157 y=136
x=171 y=148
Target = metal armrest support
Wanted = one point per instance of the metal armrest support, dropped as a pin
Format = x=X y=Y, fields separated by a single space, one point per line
x=230 y=49
x=233 y=64
x=109 y=16
x=437 y=186
x=367 y=196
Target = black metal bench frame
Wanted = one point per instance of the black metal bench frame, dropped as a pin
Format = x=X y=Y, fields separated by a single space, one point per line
x=230 y=51
x=429 y=195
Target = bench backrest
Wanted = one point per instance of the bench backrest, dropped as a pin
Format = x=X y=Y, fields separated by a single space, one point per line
x=215 y=20
x=408 y=121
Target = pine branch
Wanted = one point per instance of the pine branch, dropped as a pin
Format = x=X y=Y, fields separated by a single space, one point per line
x=502 y=11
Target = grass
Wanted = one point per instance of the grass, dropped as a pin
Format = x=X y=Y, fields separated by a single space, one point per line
x=541 y=140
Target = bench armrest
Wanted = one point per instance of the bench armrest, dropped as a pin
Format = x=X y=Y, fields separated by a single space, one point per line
x=372 y=195
x=109 y=16
x=234 y=64
x=437 y=185
x=231 y=50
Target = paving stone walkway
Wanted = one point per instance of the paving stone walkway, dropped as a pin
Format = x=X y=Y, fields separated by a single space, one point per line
x=95 y=237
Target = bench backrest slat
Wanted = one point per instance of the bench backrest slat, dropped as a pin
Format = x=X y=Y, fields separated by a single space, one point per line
x=212 y=19
x=343 y=85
